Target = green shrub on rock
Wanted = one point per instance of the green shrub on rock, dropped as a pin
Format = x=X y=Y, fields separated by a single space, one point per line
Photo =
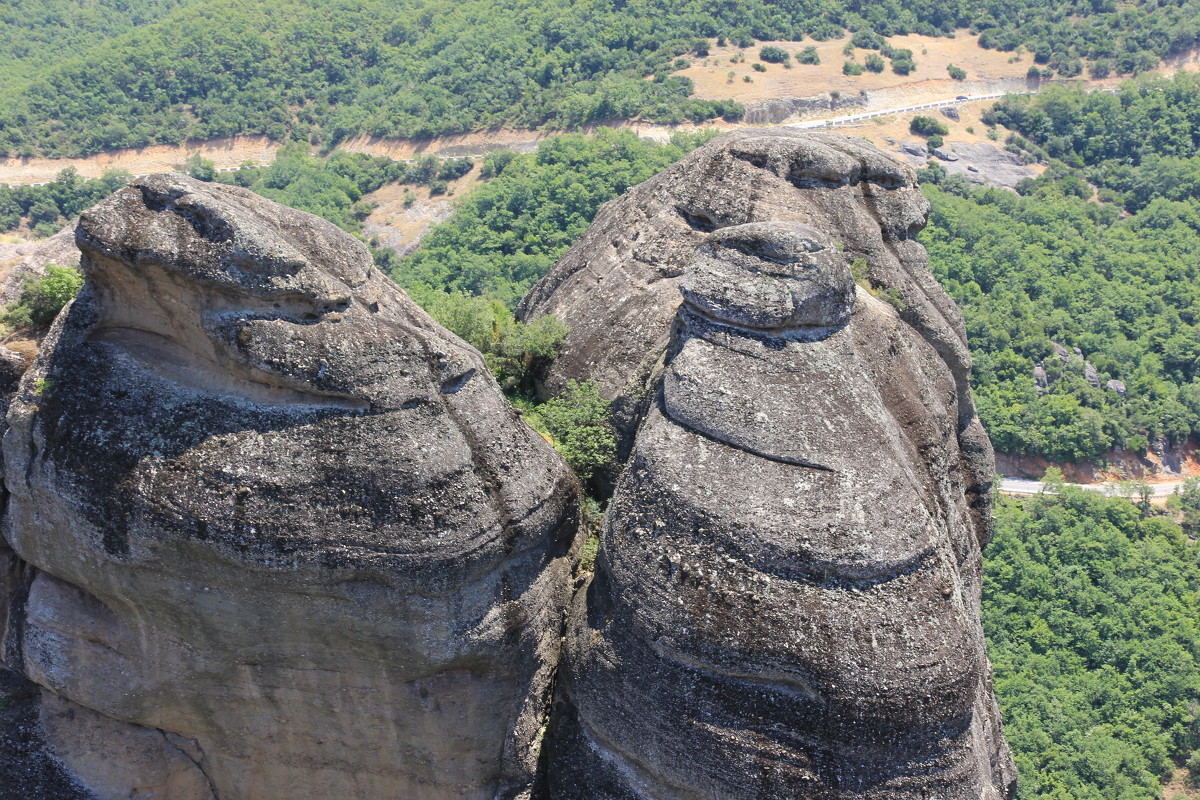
x=42 y=298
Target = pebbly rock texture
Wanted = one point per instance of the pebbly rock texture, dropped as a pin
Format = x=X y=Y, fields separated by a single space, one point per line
x=281 y=535
x=786 y=600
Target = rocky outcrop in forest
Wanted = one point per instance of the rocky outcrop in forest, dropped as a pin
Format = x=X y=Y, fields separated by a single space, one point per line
x=786 y=601
x=277 y=534
x=273 y=533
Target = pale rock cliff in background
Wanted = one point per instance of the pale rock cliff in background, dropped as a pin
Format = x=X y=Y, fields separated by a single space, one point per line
x=31 y=260
x=786 y=601
x=276 y=533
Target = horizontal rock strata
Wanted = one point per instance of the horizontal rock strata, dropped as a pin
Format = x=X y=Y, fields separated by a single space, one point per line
x=786 y=600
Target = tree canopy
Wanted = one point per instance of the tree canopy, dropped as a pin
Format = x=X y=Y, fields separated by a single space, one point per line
x=325 y=70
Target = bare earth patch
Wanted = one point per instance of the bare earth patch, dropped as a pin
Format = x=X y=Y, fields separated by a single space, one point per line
x=929 y=81
x=401 y=227
x=224 y=153
x=889 y=132
x=1178 y=787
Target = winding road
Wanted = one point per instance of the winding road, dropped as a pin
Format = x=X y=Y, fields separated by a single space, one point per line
x=850 y=119
x=833 y=122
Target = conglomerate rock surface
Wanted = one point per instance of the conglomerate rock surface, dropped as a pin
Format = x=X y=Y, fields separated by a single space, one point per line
x=276 y=533
x=786 y=599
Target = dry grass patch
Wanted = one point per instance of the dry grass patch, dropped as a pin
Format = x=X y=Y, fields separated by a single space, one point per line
x=404 y=213
x=931 y=54
x=1178 y=788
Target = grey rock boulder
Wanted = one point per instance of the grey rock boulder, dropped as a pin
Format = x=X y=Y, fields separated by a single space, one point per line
x=786 y=600
x=984 y=163
x=917 y=150
x=282 y=529
x=617 y=288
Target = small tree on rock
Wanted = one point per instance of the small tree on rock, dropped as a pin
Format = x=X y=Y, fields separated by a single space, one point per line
x=580 y=422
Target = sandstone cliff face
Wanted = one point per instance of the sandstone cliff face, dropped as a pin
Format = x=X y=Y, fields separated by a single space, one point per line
x=786 y=600
x=285 y=538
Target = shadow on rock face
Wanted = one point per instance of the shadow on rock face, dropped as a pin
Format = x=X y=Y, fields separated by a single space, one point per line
x=772 y=277
x=326 y=549
x=786 y=599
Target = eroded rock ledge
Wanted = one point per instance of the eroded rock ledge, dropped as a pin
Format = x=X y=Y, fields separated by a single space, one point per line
x=786 y=600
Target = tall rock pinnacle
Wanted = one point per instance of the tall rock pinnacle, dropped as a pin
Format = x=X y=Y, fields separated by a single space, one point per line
x=786 y=600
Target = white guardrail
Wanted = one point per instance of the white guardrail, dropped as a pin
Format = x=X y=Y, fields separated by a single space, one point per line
x=887 y=112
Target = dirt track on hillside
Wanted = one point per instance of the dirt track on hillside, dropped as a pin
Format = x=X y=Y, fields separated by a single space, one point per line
x=987 y=71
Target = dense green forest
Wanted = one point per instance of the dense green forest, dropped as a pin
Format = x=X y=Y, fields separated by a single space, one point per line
x=34 y=34
x=1092 y=615
x=1052 y=267
x=324 y=70
x=507 y=234
x=46 y=208
x=1138 y=144
x=1119 y=279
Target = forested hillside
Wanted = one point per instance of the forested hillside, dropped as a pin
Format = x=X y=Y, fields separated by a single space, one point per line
x=1056 y=266
x=1092 y=613
x=323 y=70
x=34 y=34
x=1050 y=268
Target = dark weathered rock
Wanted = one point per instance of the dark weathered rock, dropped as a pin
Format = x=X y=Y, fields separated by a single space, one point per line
x=617 y=288
x=288 y=537
x=28 y=768
x=786 y=601
x=12 y=367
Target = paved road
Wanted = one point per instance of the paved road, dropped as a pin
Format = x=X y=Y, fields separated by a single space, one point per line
x=833 y=122
x=1023 y=486
x=850 y=119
